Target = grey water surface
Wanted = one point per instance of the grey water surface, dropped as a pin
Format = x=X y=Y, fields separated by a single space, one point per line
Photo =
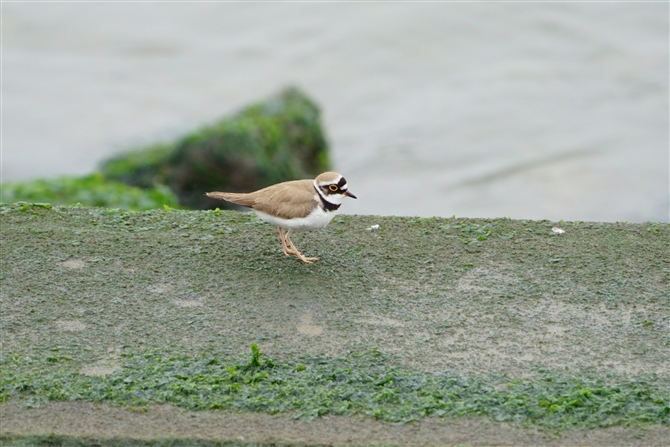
x=523 y=110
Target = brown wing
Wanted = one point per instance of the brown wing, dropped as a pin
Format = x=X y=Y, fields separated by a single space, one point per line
x=286 y=200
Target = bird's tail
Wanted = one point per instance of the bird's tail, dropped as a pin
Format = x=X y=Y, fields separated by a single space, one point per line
x=237 y=198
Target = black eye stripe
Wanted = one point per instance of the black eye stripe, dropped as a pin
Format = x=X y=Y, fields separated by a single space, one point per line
x=342 y=182
x=327 y=190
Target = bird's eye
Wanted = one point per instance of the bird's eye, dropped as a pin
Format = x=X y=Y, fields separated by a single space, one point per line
x=333 y=187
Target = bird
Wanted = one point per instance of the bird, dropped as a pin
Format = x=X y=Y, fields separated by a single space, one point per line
x=296 y=205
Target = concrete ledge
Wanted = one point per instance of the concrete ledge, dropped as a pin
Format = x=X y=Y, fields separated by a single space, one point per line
x=100 y=425
x=476 y=297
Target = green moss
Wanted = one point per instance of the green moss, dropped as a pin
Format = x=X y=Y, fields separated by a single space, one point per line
x=272 y=141
x=365 y=384
x=142 y=168
x=92 y=190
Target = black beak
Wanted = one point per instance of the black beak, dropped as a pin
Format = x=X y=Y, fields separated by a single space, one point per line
x=348 y=194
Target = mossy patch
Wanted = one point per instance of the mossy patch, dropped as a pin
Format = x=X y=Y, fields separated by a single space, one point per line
x=365 y=384
x=91 y=190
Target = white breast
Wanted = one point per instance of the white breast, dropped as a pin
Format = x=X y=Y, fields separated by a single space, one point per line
x=316 y=219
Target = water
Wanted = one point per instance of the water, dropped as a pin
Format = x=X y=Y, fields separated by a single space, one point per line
x=525 y=110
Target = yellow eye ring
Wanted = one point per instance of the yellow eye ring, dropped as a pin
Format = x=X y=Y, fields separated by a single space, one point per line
x=332 y=187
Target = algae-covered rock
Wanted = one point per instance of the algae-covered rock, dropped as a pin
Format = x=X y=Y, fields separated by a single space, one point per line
x=272 y=141
x=142 y=168
x=91 y=190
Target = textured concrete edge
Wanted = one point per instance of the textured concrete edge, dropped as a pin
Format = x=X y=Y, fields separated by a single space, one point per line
x=75 y=424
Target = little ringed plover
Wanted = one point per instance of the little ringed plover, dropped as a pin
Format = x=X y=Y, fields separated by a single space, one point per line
x=296 y=205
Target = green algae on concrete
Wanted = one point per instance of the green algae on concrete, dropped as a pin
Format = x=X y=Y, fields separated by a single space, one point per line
x=275 y=140
x=365 y=384
x=577 y=322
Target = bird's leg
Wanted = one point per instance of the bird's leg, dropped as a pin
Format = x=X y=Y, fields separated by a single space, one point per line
x=283 y=242
x=297 y=252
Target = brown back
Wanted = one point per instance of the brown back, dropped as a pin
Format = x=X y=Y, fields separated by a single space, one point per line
x=285 y=200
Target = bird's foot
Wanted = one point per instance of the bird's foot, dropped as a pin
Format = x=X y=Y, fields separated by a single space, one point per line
x=288 y=252
x=305 y=259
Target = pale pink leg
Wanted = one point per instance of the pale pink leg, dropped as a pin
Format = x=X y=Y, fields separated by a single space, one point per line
x=283 y=243
x=297 y=252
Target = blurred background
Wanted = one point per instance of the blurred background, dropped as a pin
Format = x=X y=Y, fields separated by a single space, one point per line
x=523 y=110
